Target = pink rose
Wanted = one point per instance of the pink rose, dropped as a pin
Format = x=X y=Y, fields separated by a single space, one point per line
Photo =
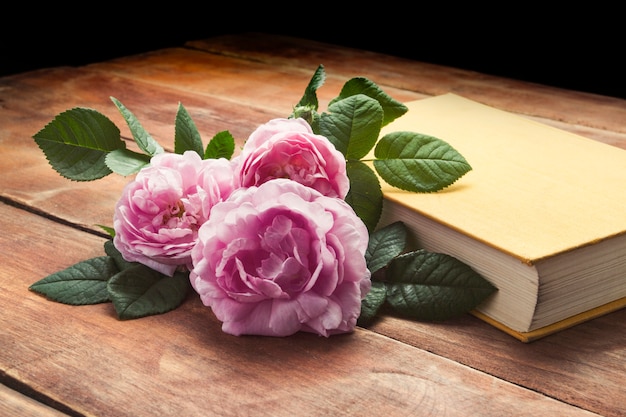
x=281 y=258
x=156 y=220
x=264 y=132
x=288 y=148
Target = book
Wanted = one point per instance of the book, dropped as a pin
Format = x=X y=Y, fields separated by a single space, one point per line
x=541 y=215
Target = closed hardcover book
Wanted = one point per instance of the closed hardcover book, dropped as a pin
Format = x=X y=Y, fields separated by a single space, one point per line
x=542 y=214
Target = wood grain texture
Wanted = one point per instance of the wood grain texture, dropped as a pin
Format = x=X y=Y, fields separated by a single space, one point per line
x=565 y=365
x=181 y=363
x=14 y=403
x=572 y=107
x=267 y=85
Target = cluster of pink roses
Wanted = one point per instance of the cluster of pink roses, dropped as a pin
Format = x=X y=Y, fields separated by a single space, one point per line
x=271 y=245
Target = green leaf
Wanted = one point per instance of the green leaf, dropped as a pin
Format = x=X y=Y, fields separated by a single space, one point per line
x=433 y=286
x=81 y=284
x=365 y=196
x=419 y=163
x=309 y=99
x=126 y=162
x=140 y=291
x=186 y=135
x=107 y=229
x=76 y=142
x=372 y=303
x=392 y=108
x=308 y=104
x=353 y=125
x=120 y=262
x=222 y=145
x=384 y=245
x=143 y=139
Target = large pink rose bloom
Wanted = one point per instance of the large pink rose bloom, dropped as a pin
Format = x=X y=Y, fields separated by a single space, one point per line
x=156 y=220
x=288 y=148
x=281 y=258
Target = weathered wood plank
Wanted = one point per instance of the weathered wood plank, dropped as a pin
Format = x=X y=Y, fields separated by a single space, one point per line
x=571 y=107
x=195 y=72
x=31 y=100
x=180 y=363
x=14 y=403
x=246 y=81
x=583 y=366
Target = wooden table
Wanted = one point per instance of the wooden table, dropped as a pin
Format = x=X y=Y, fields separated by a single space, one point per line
x=59 y=360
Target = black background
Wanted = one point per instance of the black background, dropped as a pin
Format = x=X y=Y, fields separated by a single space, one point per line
x=578 y=49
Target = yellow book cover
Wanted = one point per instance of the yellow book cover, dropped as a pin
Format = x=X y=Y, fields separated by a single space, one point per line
x=542 y=214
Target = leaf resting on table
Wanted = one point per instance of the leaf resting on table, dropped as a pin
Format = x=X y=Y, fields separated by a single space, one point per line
x=81 y=284
x=139 y=291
